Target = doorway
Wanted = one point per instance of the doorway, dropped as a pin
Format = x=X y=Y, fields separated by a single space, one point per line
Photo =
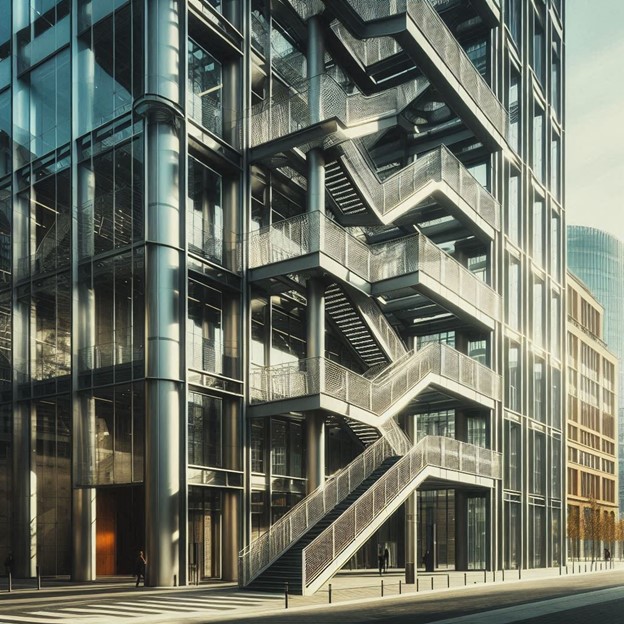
x=120 y=529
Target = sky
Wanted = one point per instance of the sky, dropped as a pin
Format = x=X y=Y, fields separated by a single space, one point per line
x=594 y=34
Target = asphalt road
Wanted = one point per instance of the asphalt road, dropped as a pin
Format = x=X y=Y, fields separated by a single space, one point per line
x=588 y=599
x=591 y=599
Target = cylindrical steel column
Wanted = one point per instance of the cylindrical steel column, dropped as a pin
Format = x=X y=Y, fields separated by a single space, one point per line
x=411 y=518
x=24 y=540
x=83 y=534
x=164 y=292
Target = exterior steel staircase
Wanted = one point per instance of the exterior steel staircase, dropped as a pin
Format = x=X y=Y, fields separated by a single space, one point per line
x=312 y=542
x=318 y=383
x=362 y=198
x=413 y=264
x=424 y=37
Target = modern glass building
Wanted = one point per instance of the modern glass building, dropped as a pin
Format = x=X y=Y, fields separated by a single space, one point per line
x=262 y=261
x=597 y=258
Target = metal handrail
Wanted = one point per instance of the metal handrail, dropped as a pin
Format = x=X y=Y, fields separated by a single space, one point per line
x=263 y=551
x=318 y=375
x=429 y=451
x=439 y=165
x=289 y=112
x=312 y=232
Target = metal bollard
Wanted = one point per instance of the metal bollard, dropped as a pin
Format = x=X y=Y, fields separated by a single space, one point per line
x=417 y=584
x=329 y=593
x=10 y=582
x=448 y=580
x=503 y=572
x=431 y=582
x=399 y=587
x=465 y=579
x=175 y=580
x=382 y=588
x=519 y=573
x=286 y=596
x=494 y=576
x=485 y=576
x=38 y=578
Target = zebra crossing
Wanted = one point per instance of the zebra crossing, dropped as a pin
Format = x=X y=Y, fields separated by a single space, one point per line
x=123 y=609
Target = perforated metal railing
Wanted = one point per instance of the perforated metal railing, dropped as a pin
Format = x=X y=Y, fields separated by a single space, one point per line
x=289 y=112
x=260 y=553
x=439 y=165
x=380 y=325
x=395 y=483
x=366 y=51
x=311 y=232
x=312 y=376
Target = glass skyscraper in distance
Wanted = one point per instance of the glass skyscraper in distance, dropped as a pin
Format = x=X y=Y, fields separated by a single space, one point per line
x=264 y=259
x=597 y=258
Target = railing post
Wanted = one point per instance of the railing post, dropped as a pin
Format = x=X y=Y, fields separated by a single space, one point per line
x=330 y=594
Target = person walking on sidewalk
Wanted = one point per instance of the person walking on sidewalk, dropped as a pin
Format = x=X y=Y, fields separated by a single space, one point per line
x=386 y=559
x=380 y=559
x=139 y=568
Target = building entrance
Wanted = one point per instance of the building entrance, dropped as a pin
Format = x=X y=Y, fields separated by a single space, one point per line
x=120 y=529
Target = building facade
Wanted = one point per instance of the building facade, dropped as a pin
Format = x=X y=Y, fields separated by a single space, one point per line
x=597 y=258
x=248 y=245
x=592 y=454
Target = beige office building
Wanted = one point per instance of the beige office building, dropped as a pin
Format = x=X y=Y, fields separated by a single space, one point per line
x=592 y=428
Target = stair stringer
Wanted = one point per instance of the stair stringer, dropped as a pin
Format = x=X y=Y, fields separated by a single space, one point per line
x=364 y=534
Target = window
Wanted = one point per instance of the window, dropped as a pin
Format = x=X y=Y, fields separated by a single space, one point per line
x=514 y=108
x=5 y=132
x=555 y=80
x=539 y=390
x=205 y=84
x=478 y=54
x=538 y=319
x=513 y=17
x=204 y=214
x=539 y=64
x=513 y=386
x=537 y=152
x=205 y=430
x=513 y=207
x=50 y=115
x=538 y=244
x=539 y=463
x=513 y=454
x=513 y=292
x=555 y=166
x=555 y=247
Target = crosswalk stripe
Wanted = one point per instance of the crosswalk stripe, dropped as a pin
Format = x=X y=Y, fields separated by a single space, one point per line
x=211 y=600
x=58 y=618
x=166 y=607
x=97 y=611
x=133 y=606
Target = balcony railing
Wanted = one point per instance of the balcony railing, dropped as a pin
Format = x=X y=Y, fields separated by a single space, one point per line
x=318 y=375
x=312 y=232
x=430 y=451
x=109 y=354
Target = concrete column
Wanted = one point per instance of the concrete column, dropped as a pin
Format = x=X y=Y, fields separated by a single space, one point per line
x=411 y=518
x=315 y=291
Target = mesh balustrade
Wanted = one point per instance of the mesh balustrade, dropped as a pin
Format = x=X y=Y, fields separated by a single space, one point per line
x=287 y=113
x=260 y=553
x=398 y=482
x=315 y=375
x=434 y=30
x=312 y=232
x=439 y=165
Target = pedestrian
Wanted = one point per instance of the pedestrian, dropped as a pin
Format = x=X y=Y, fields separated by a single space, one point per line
x=8 y=564
x=607 y=554
x=386 y=559
x=380 y=559
x=139 y=568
